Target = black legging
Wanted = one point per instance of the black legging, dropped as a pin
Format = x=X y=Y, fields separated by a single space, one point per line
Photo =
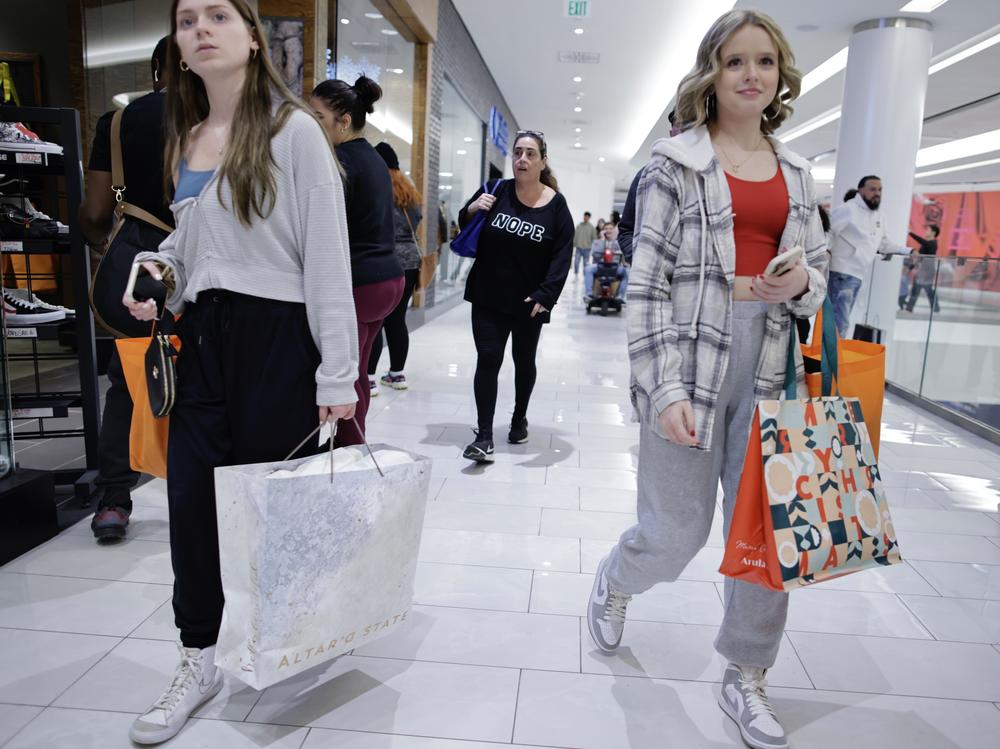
x=395 y=330
x=490 y=331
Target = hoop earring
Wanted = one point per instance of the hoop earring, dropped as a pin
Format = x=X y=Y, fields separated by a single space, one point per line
x=253 y=53
x=709 y=104
x=184 y=66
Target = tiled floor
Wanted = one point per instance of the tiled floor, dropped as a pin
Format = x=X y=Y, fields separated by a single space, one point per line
x=496 y=653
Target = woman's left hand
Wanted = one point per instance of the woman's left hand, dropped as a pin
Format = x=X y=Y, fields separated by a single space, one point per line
x=537 y=309
x=777 y=289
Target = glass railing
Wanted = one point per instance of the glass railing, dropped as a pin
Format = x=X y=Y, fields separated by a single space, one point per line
x=945 y=345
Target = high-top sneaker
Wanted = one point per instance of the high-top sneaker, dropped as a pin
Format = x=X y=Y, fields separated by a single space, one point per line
x=23 y=312
x=744 y=700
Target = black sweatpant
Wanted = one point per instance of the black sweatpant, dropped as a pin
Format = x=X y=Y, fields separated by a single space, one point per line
x=394 y=327
x=490 y=330
x=246 y=393
x=114 y=469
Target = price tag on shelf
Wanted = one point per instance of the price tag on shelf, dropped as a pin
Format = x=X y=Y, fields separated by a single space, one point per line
x=29 y=158
x=11 y=246
x=22 y=332
x=32 y=413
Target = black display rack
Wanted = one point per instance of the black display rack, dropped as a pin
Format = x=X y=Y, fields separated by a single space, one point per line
x=58 y=181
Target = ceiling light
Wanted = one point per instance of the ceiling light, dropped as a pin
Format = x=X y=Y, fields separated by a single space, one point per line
x=445 y=174
x=959 y=148
x=390 y=32
x=578 y=145
x=397 y=71
x=467 y=139
x=577 y=109
x=578 y=31
x=601 y=159
x=461 y=152
x=922 y=6
x=814 y=124
x=823 y=173
x=960 y=167
x=579 y=129
x=824 y=71
x=577 y=79
x=345 y=21
x=967 y=52
x=375 y=16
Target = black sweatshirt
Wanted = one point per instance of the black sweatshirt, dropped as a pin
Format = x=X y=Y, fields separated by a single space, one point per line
x=522 y=252
x=927 y=246
x=370 y=221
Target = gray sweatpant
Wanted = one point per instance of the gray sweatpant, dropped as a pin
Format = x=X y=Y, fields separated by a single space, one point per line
x=676 y=500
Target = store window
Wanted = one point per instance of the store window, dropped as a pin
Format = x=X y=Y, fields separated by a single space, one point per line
x=367 y=43
x=460 y=174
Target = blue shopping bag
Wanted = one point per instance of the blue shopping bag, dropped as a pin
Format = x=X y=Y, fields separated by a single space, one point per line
x=467 y=241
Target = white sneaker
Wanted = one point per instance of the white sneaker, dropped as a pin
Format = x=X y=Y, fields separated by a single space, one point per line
x=195 y=682
x=41 y=303
x=606 y=612
x=18 y=311
x=744 y=700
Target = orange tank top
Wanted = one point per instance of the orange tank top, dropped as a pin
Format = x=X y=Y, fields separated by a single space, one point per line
x=760 y=210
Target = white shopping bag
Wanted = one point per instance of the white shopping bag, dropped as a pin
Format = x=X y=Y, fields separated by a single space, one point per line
x=312 y=567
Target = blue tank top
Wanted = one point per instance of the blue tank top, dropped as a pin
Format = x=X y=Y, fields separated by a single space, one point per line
x=190 y=182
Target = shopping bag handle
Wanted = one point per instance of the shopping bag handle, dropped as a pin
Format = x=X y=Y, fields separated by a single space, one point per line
x=333 y=434
x=829 y=364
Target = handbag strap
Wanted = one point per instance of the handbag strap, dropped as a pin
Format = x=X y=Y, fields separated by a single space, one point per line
x=413 y=234
x=117 y=166
x=829 y=362
x=333 y=434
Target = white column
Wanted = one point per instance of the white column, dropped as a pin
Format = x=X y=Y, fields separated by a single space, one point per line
x=880 y=126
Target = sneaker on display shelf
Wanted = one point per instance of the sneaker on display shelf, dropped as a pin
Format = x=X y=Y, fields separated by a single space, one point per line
x=14 y=136
x=21 y=312
x=27 y=296
x=195 y=682
x=25 y=205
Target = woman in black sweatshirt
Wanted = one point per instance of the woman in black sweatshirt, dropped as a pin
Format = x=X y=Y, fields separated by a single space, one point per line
x=375 y=271
x=926 y=268
x=522 y=260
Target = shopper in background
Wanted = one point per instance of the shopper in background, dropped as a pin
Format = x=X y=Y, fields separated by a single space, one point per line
x=583 y=238
x=605 y=242
x=924 y=277
x=261 y=262
x=406 y=216
x=521 y=265
x=377 y=276
x=857 y=234
x=704 y=347
x=142 y=161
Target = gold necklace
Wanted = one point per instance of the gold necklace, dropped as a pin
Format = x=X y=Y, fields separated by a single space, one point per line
x=736 y=167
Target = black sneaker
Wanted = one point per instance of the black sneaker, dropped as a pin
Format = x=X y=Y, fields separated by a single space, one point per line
x=20 y=311
x=109 y=523
x=518 y=432
x=481 y=450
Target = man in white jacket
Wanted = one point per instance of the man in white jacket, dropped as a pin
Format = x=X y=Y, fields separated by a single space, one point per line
x=857 y=233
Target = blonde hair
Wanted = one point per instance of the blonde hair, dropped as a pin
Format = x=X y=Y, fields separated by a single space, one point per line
x=247 y=164
x=693 y=93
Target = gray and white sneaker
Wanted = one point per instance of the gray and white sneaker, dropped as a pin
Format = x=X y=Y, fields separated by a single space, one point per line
x=195 y=682
x=743 y=699
x=606 y=612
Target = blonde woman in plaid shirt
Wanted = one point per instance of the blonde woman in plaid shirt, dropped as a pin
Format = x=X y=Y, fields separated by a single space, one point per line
x=708 y=335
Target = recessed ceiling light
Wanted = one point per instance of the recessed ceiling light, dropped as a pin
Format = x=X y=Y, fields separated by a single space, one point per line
x=968 y=52
x=373 y=15
x=461 y=152
x=577 y=145
x=959 y=148
x=922 y=6
x=578 y=31
x=579 y=130
x=577 y=79
x=390 y=32
x=601 y=159
x=825 y=70
x=467 y=139
x=345 y=21
x=445 y=174
x=397 y=71
x=577 y=109
x=960 y=167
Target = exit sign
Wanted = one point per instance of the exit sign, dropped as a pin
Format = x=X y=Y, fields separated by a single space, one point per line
x=578 y=8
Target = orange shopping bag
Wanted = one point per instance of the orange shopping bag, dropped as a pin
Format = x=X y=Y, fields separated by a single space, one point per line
x=860 y=374
x=810 y=505
x=147 y=437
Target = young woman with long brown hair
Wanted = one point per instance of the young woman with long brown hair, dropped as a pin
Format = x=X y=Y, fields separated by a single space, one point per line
x=709 y=333
x=523 y=257
x=261 y=271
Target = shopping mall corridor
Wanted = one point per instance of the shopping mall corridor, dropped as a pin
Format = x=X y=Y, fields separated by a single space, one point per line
x=496 y=651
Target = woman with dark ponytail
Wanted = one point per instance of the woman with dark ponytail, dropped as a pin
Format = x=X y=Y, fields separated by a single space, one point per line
x=522 y=260
x=375 y=270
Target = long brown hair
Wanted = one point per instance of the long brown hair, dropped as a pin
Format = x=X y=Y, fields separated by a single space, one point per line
x=696 y=90
x=247 y=165
x=547 y=177
x=404 y=192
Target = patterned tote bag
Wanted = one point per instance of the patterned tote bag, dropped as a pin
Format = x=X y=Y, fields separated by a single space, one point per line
x=810 y=506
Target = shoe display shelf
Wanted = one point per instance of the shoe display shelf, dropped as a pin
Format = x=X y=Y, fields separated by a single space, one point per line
x=55 y=393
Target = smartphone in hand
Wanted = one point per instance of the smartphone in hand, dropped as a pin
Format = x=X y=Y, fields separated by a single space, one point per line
x=784 y=262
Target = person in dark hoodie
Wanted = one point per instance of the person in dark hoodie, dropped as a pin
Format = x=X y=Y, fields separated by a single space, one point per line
x=523 y=258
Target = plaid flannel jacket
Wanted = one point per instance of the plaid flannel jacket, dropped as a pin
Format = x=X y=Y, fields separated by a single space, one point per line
x=680 y=292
